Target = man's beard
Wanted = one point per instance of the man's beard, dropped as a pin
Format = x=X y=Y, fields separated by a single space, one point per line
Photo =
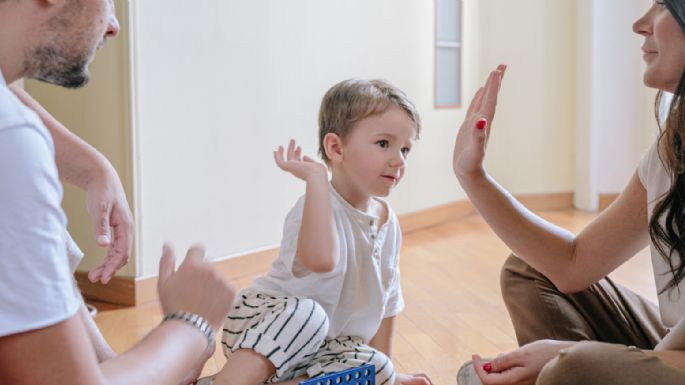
x=56 y=60
x=49 y=64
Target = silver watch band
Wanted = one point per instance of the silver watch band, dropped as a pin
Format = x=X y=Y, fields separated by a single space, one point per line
x=195 y=320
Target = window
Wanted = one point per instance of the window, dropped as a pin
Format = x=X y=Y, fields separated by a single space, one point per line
x=448 y=53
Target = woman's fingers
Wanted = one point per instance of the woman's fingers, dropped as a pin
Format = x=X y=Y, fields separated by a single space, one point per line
x=492 y=88
x=486 y=105
x=506 y=361
x=475 y=102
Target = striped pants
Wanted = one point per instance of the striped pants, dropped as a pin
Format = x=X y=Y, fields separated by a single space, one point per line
x=291 y=333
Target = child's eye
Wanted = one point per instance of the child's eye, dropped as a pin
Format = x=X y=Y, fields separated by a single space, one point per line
x=383 y=143
x=405 y=151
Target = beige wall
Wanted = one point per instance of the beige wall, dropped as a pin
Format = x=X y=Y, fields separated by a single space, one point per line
x=531 y=148
x=217 y=86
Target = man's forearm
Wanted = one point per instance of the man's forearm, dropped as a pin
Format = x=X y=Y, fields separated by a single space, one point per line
x=77 y=161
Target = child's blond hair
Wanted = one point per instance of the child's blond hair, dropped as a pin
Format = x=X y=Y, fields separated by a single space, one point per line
x=352 y=100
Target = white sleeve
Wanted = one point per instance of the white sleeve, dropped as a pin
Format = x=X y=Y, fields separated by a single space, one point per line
x=36 y=287
x=647 y=160
x=395 y=302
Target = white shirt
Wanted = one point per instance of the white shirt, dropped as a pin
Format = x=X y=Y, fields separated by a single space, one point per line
x=657 y=181
x=36 y=284
x=363 y=288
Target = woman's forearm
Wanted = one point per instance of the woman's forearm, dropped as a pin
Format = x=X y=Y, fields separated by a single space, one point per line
x=545 y=246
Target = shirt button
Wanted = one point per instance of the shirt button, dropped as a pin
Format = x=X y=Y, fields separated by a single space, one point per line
x=371 y=222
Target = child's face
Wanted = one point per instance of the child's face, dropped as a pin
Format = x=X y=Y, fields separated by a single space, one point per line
x=375 y=152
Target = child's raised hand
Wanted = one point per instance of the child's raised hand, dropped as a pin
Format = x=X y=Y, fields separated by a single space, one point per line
x=472 y=139
x=293 y=162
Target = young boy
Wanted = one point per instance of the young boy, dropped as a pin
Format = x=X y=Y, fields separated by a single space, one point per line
x=330 y=301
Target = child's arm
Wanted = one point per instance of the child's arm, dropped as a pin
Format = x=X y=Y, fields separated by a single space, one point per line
x=382 y=341
x=317 y=243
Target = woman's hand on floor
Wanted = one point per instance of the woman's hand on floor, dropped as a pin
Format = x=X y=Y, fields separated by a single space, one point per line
x=521 y=366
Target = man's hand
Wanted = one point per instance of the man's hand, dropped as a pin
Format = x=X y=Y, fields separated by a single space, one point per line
x=86 y=168
x=113 y=221
x=196 y=287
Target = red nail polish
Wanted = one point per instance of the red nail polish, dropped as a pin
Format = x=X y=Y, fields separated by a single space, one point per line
x=480 y=124
x=487 y=367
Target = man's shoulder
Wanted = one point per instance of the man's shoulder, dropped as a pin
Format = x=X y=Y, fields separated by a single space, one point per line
x=14 y=113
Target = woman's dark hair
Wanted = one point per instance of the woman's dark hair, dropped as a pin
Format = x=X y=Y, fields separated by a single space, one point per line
x=667 y=223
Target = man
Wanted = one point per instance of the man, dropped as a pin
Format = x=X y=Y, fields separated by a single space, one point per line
x=43 y=338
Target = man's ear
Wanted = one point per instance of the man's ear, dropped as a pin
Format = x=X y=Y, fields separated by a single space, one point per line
x=333 y=147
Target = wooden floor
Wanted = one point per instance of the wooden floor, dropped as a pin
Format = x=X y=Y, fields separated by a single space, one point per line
x=453 y=305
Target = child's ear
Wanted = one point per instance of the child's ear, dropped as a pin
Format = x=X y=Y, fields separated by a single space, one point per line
x=333 y=147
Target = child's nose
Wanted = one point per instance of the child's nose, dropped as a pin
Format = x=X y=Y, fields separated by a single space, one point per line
x=398 y=160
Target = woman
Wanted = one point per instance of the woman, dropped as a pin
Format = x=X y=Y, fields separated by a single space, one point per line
x=554 y=285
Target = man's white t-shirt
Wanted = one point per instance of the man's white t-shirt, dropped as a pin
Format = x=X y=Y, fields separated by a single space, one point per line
x=657 y=181
x=363 y=288
x=36 y=284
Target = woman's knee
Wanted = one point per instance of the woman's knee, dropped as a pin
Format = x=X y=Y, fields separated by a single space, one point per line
x=513 y=271
x=586 y=363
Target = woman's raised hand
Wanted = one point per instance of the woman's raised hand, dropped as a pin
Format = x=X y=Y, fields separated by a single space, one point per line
x=472 y=139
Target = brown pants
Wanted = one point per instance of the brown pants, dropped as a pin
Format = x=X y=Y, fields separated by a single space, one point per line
x=613 y=317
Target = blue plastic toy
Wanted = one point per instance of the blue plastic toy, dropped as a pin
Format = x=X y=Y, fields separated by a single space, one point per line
x=363 y=375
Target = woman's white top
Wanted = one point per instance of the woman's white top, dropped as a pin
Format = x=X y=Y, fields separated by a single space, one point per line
x=657 y=181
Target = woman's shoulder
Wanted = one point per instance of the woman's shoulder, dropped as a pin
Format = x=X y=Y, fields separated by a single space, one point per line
x=651 y=167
